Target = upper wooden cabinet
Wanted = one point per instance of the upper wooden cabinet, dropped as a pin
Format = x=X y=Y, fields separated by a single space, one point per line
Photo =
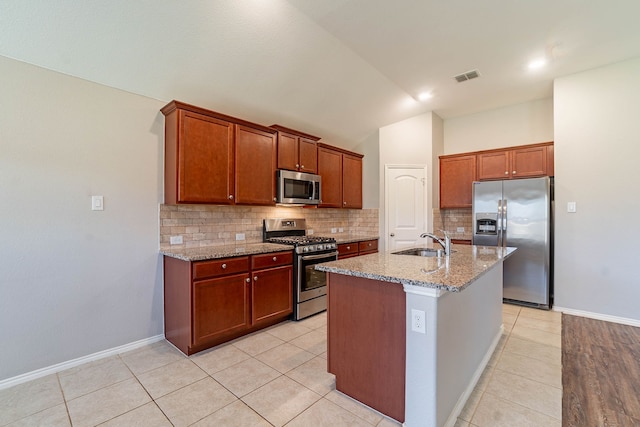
x=199 y=154
x=297 y=151
x=341 y=173
x=217 y=159
x=457 y=173
x=513 y=163
x=255 y=166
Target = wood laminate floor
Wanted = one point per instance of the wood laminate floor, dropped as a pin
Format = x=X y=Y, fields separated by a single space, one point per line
x=600 y=373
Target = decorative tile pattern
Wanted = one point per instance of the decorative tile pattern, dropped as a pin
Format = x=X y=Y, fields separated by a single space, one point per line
x=211 y=225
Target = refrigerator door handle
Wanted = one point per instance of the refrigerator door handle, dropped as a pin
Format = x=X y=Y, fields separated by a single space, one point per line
x=504 y=223
x=499 y=223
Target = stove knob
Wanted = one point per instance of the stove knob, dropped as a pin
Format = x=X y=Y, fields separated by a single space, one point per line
x=305 y=249
x=320 y=247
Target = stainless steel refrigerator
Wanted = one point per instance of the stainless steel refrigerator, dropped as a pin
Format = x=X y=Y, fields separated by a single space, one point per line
x=519 y=213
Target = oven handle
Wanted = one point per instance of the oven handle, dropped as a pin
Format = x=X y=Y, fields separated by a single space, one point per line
x=312 y=257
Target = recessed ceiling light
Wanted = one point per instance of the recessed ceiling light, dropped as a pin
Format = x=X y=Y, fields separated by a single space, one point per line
x=537 y=64
x=423 y=96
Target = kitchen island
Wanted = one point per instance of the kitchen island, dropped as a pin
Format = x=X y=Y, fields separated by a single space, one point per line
x=409 y=336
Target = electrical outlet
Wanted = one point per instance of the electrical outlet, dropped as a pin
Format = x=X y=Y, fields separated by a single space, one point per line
x=418 y=321
x=340 y=230
x=175 y=240
x=460 y=230
x=334 y=230
x=239 y=236
x=309 y=232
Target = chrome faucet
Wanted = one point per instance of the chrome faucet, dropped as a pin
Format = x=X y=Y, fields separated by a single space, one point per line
x=446 y=243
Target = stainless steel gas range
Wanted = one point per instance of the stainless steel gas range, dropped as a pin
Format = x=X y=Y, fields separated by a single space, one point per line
x=310 y=286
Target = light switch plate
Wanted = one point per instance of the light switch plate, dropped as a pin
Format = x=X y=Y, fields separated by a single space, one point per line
x=460 y=230
x=239 y=236
x=571 y=207
x=97 y=203
x=175 y=240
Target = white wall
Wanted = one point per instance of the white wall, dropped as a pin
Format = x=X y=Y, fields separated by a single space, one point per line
x=370 y=147
x=596 y=162
x=409 y=142
x=519 y=124
x=74 y=282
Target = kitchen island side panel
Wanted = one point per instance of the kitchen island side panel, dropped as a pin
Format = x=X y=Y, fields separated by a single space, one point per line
x=367 y=341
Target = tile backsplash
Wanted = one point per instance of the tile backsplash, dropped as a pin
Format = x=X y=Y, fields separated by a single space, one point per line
x=451 y=219
x=212 y=225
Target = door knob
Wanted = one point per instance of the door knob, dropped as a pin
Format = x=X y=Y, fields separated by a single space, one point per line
x=393 y=235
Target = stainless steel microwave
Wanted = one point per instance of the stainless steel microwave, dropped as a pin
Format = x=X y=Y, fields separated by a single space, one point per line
x=297 y=188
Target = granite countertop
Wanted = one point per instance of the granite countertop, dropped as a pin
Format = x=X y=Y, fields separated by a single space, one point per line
x=226 y=251
x=453 y=274
x=351 y=238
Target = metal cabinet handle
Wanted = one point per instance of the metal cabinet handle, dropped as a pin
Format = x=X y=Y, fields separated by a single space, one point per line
x=369 y=244
x=348 y=247
x=275 y=258
x=393 y=234
x=344 y=203
x=301 y=166
x=224 y=266
x=506 y=172
x=230 y=196
x=514 y=172
x=255 y=278
x=247 y=280
x=275 y=200
x=297 y=165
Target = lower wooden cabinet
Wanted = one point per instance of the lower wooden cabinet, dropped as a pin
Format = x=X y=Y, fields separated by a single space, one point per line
x=210 y=302
x=349 y=250
x=220 y=308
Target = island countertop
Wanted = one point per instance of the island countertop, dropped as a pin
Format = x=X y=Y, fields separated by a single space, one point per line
x=453 y=273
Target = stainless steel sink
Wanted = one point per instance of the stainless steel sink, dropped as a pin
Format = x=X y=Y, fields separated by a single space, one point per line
x=421 y=252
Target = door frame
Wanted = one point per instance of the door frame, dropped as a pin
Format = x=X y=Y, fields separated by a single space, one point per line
x=387 y=168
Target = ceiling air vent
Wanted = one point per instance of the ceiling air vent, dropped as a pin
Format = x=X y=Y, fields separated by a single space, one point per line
x=467 y=76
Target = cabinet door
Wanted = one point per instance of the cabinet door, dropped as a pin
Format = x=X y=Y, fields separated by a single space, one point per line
x=205 y=159
x=271 y=294
x=351 y=182
x=287 y=151
x=493 y=165
x=368 y=247
x=456 y=177
x=347 y=250
x=529 y=162
x=330 y=169
x=220 y=307
x=255 y=166
x=308 y=155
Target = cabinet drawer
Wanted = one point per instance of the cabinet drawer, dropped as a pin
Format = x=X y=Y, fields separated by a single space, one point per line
x=220 y=267
x=345 y=249
x=368 y=246
x=271 y=260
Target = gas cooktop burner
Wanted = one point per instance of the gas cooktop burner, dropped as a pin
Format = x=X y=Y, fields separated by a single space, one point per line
x=301 y=240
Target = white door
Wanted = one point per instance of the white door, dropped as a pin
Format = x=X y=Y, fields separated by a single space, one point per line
x=404 y=207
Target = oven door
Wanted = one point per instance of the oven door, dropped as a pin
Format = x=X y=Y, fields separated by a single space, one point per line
x=311 y=283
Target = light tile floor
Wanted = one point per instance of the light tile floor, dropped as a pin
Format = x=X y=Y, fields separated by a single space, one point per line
x=278 y=377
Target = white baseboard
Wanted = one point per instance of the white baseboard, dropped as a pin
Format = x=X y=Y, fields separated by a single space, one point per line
x=39 y=373
x=598 y=316
x=457 y=409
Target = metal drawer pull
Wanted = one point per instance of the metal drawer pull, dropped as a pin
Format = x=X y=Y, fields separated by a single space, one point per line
x=247 y=279
x=224 y=265
x=255 y=278
x=275 y=258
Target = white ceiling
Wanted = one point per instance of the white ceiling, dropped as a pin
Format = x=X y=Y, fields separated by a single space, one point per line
x=339 y=69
